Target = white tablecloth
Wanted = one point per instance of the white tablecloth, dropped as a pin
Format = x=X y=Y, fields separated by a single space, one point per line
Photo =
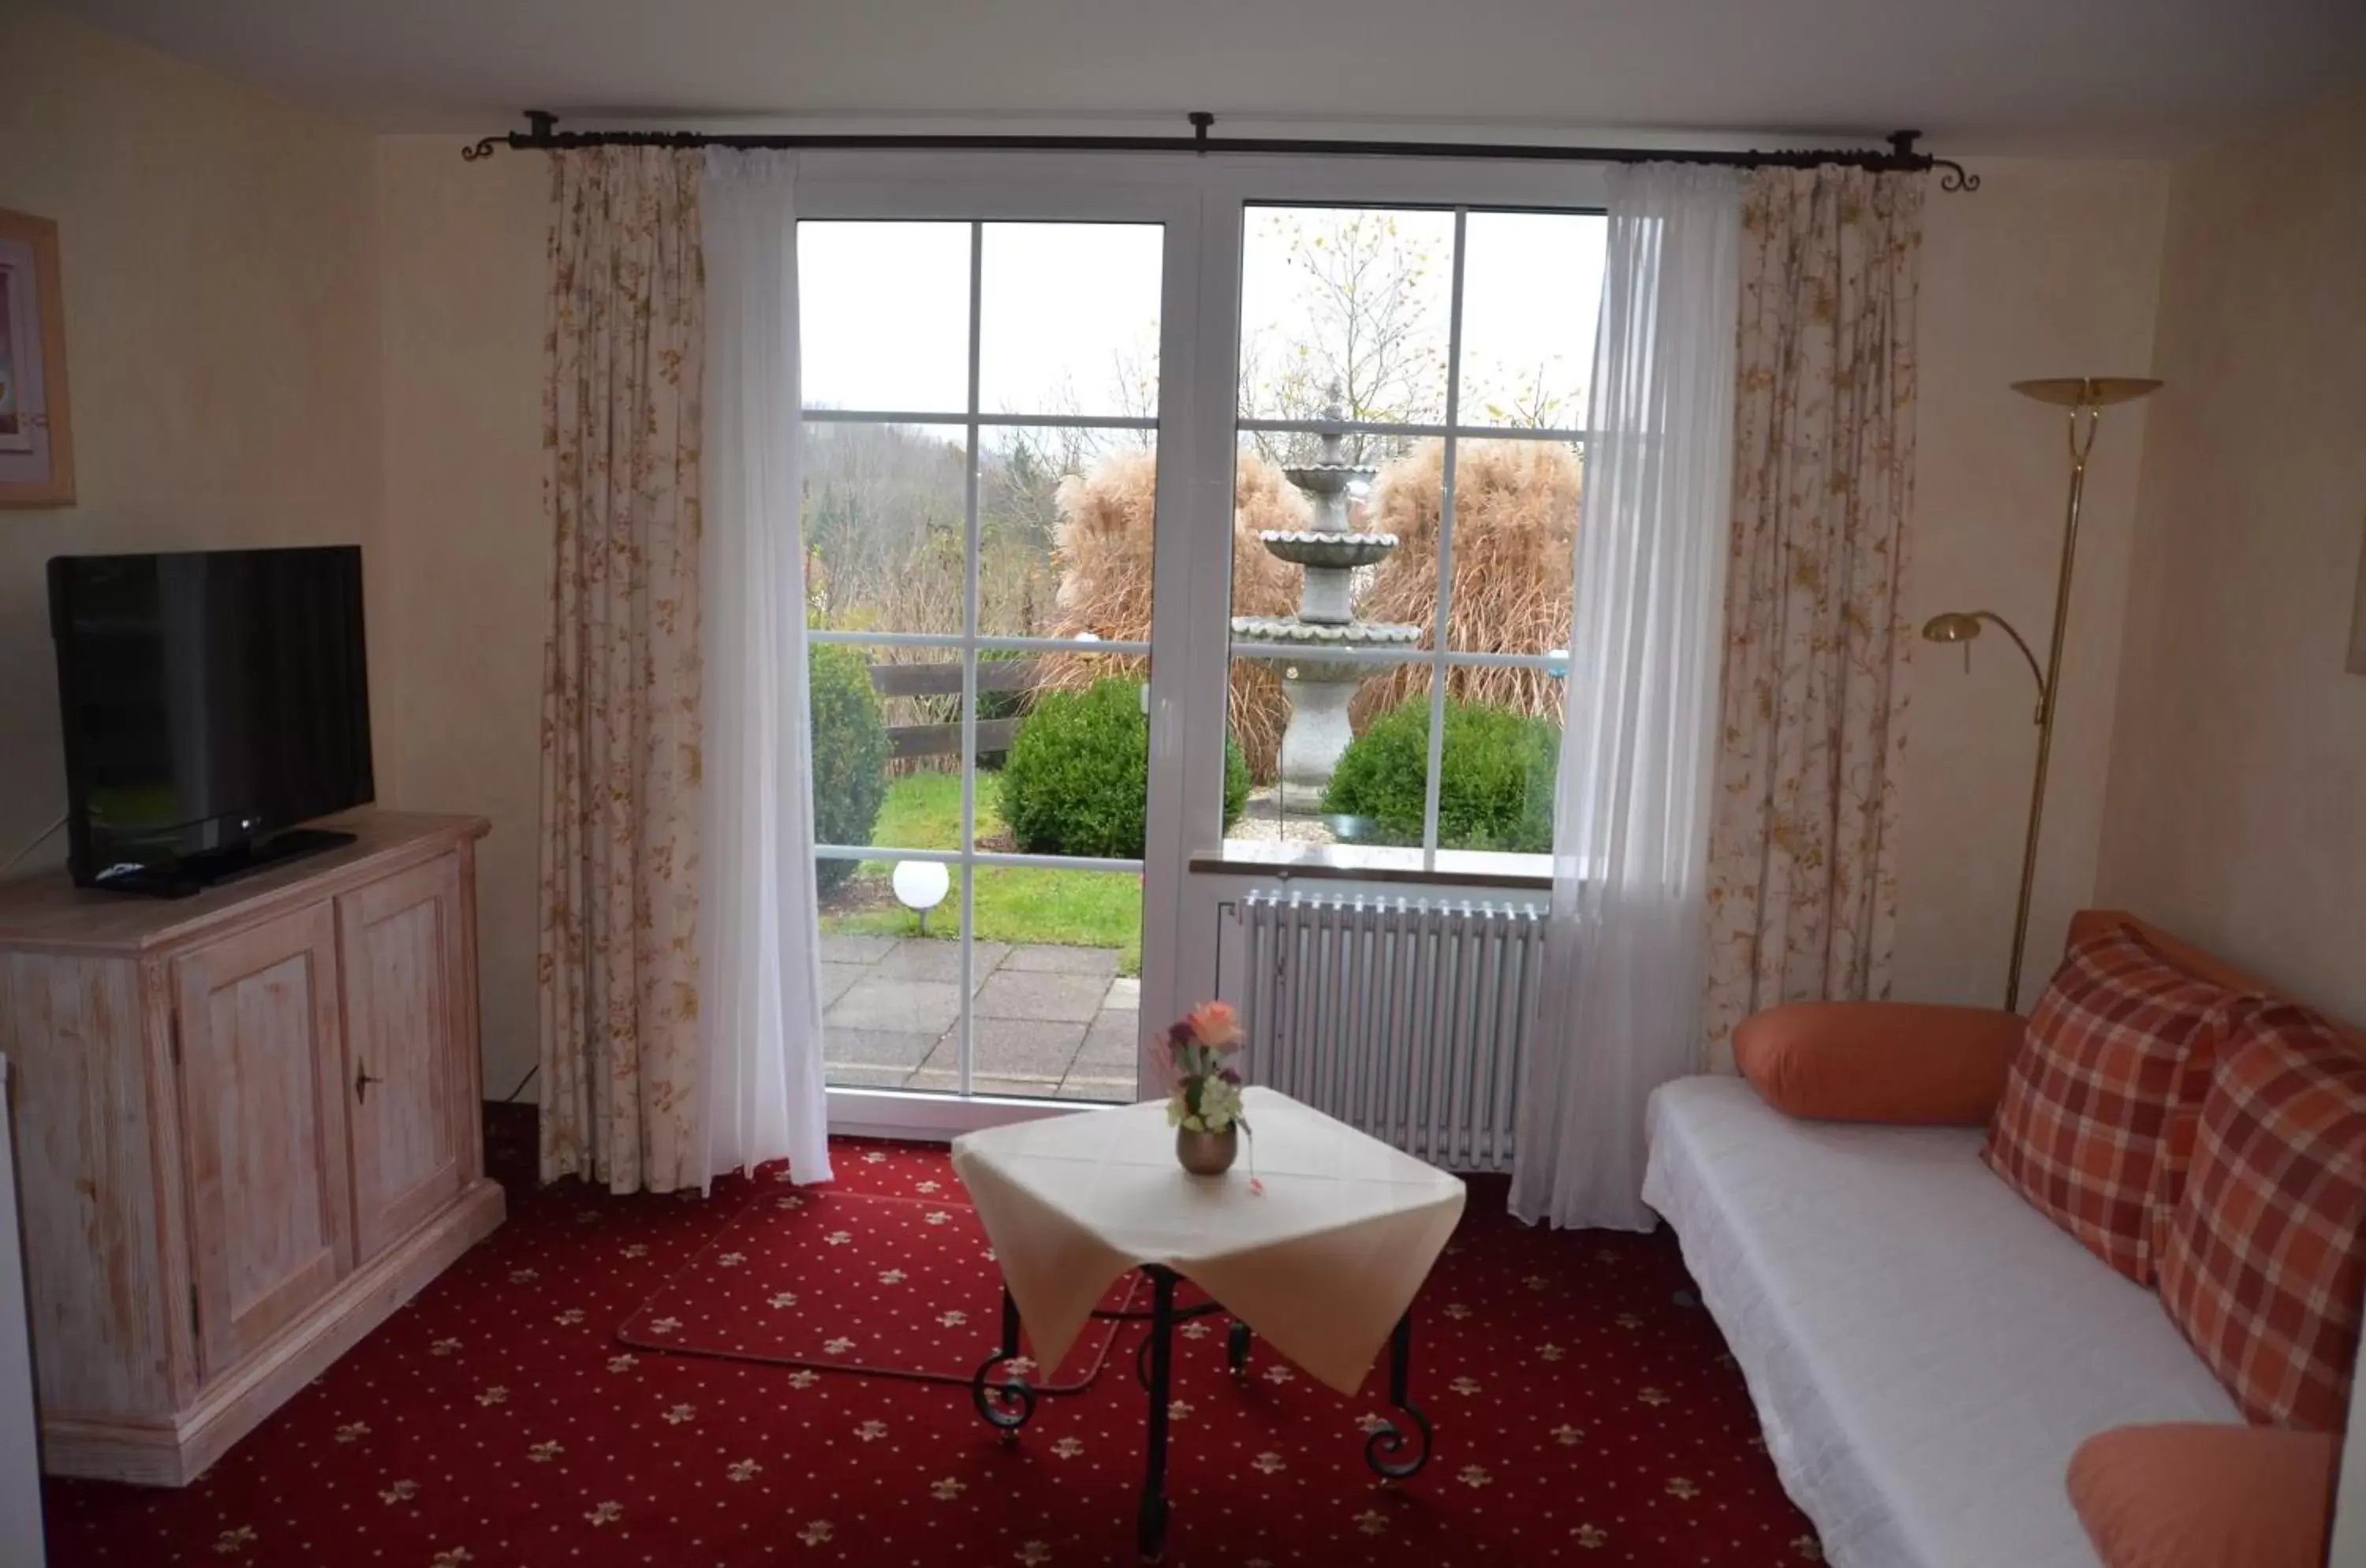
x=1321 y=1264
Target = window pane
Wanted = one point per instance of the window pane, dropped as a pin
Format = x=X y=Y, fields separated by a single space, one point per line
x=1059 y=953
x=1495 y=777
x=1345 y=304
x=1073 y=776
x=1515 y=514
x=1531 y=290
x=1065 y=530
x=883 y=312
x=886 y=746
x=885 y=517
x=1068 y=319
x=1334 y=752
x=890 y=975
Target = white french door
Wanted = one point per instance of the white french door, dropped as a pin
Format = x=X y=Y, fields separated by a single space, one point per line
x=1044 y=399
x=993 y=430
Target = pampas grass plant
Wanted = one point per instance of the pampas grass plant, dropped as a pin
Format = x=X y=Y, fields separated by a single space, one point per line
x=1514 y=538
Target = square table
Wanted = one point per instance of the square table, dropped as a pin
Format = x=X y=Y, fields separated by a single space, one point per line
x=1323 y=1261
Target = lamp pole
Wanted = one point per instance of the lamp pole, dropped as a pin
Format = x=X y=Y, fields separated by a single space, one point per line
x=2086 y=397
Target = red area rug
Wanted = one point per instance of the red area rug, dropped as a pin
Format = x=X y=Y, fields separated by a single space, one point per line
x=796 y=1280
x=1586 y=1413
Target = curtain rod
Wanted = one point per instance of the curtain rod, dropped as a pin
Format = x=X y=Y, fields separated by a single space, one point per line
x=543 y=135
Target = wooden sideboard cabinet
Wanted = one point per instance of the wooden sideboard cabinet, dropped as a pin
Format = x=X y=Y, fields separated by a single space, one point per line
x=247 y=1128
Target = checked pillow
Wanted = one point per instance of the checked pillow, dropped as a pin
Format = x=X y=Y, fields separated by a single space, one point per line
x=2098 y=1113
x=2265 y=1256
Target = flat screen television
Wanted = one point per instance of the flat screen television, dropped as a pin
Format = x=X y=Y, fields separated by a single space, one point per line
x=213 y=701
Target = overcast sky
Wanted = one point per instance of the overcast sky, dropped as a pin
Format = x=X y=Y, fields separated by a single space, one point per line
x=1068 y=309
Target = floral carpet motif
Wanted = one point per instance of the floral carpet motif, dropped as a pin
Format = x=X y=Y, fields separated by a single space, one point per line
x=1586 y=1413
x=794 y=1279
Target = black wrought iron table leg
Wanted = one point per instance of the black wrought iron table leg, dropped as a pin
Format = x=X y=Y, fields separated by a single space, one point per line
x=1151 y=1527
x=1236 y=1349
x=1384 y=1450
x=1009 y=1404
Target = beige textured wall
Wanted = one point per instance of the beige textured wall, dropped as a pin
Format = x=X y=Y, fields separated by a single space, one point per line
x=218 y=256
x=2238 y=800
x=468 y=555
x=2050 y=269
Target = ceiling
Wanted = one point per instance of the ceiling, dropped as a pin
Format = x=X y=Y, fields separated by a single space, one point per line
x=2125 y=77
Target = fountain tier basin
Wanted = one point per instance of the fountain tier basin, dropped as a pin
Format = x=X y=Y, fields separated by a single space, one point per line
x=1325 y=550
x=1326 y=479
x=1307 y=634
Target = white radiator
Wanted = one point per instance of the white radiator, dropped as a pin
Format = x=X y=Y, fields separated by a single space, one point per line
x=1405 y=1017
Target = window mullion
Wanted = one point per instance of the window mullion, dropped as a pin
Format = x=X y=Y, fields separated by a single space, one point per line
x=969 y=668
x=1437 y=668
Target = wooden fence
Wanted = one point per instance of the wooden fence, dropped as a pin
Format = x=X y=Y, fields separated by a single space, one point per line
x=906 y=741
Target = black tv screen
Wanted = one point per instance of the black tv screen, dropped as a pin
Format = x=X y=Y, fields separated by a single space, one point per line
x=210 y=699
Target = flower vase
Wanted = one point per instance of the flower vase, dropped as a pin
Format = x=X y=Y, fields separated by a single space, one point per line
x=1207 y=1154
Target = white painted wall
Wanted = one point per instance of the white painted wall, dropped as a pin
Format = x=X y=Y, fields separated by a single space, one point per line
x=2238 y=798
x=2051 y=269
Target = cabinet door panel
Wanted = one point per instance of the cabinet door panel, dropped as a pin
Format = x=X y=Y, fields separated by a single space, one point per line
x=406 y=978
x=264 y=1128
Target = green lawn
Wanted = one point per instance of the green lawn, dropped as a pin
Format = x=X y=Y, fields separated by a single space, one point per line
x=1015 y=904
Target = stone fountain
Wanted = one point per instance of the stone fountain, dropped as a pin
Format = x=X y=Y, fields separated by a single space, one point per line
x=1320 y=689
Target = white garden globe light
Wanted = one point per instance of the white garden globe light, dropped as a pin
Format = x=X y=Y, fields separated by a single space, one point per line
x=920 y=886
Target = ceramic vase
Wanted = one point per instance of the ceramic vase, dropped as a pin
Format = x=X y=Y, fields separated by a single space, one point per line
x=1207 y=1154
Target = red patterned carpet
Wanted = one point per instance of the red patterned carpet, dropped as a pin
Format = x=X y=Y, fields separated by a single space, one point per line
x=1585 y=1411
x=755 y=1294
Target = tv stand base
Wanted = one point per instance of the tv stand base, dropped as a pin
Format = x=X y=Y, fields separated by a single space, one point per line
x=212 y=867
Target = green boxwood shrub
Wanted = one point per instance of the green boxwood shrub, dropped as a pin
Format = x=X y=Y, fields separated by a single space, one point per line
x=1495 y=785
x=850 y=755
x=1078 y=779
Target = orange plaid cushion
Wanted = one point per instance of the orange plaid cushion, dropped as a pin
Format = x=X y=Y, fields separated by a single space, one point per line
x=2265 y=1257
x=2096 y=1119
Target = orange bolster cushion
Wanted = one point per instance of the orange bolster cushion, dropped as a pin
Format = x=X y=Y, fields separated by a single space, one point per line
x=2188 y=1495
x=1900 y=1062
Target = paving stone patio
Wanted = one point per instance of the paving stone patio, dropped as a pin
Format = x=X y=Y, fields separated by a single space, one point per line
x=1049 y=1022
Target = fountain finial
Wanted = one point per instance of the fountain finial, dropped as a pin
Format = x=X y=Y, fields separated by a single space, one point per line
x=1333 y=444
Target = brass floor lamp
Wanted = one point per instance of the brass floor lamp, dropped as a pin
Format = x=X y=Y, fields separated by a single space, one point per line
x=2086 y=397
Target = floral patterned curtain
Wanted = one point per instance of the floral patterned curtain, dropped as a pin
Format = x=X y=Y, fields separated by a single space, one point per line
x=618 y=963
x=1802 y=887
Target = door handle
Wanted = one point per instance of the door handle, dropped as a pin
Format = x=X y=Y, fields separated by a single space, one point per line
x=362 y=1080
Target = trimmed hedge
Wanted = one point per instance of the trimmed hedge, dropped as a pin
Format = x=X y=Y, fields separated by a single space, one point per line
x=1495 y=784
x=850 y=755
x=1078 y=779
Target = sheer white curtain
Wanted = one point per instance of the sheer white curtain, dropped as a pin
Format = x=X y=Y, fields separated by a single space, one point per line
x=1621 y=1006
x=759 y=947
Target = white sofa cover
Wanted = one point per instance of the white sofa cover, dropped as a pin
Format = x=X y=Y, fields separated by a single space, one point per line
x=1925 y=1348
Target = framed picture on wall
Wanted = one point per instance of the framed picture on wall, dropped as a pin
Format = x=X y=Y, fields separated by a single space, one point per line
x=2358 y=614
x=36 y=437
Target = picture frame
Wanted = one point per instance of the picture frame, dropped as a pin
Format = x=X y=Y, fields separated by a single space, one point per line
x=36 y=427
x=2358 y=614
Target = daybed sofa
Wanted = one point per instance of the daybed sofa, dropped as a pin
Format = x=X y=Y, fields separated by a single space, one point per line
x=1925 y=1348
